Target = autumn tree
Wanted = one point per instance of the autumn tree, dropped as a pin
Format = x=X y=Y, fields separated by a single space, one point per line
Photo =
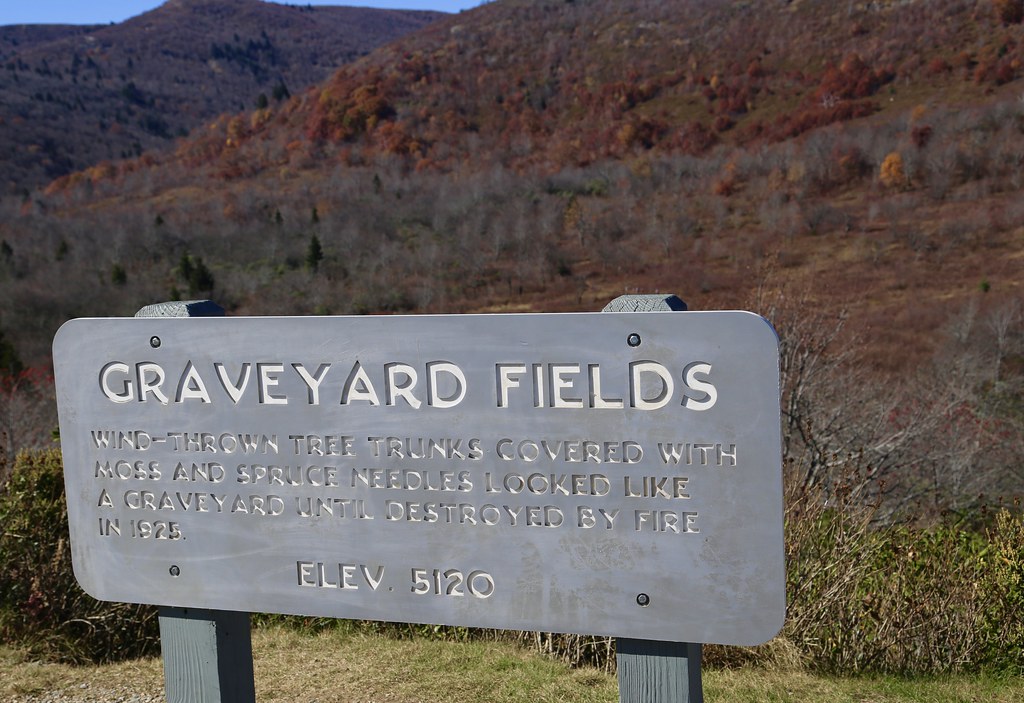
x=892 y=174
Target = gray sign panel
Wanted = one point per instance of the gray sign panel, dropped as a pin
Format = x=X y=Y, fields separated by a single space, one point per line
x=612 y=473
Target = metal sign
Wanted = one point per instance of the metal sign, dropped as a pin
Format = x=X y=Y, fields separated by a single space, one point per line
x=609 y=473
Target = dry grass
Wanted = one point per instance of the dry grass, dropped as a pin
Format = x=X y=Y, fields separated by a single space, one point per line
x=798 y=686
x=339 y=666
x=333 y=666
x=370 y=668
x=20 y=679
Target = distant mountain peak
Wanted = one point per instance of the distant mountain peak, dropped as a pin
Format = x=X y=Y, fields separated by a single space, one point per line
x=75 y=96
x=200 y=3
x=207 y=5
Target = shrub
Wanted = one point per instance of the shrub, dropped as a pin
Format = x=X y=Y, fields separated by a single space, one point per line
x=892 y=174
x=1003 y=622
x=862 y=597
x=939 y=66
x=1009 y=11
x=853 y=79
x=28 y=415
x=902 y=600
x=794 y=124
x=42 y=607
x=921 y=135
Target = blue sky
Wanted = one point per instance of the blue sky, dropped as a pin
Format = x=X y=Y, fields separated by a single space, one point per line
x=105 y=11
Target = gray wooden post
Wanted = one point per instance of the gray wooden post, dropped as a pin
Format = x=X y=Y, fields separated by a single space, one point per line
x=207 y=653
x=656 y=672
x=659 y=672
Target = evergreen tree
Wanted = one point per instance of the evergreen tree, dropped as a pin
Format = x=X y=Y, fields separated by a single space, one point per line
x=196 y=274
x=200 y=279
x=281 y=92
x=185 y=266
x=118 y=276
x=10 y=362
x=314 y=253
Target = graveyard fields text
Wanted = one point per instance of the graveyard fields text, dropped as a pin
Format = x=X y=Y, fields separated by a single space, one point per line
x=643 y=385
x=155 y=485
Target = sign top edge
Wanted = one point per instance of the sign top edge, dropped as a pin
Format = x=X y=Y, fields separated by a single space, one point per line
x=577 y=313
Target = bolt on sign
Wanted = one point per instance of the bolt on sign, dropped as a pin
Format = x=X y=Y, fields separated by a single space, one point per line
x=607 y=473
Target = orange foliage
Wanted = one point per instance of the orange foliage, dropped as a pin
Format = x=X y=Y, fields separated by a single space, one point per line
x=938 y=66
x=624 y=96
x=892 y=173
x=788 y=126
x=999 y=66
x=852 y=79
x=346 y=110
x=693 y=139
x=395 y=140
x=728 y=183
x=59 y=185
x=260 y=118
x=101 y=172
x=644 y=132
x=236 y=132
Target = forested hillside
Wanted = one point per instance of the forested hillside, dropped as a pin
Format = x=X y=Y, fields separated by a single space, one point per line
x=75 y=96
x=852 y=170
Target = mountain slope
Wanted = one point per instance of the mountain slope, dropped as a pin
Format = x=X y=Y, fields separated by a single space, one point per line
x=853 y=171
x=72 y=97
x=550 y=155
x=556 y=82
x=546 y=84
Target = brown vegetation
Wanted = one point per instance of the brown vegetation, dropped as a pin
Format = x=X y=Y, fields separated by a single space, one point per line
x=512 y=159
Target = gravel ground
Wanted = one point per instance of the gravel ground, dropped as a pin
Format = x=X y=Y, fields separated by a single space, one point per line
x=84 y=693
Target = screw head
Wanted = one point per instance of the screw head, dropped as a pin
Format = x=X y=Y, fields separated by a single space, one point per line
x=175 y=571
x=633 y=340
x=154 y=341
x=643 y=600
